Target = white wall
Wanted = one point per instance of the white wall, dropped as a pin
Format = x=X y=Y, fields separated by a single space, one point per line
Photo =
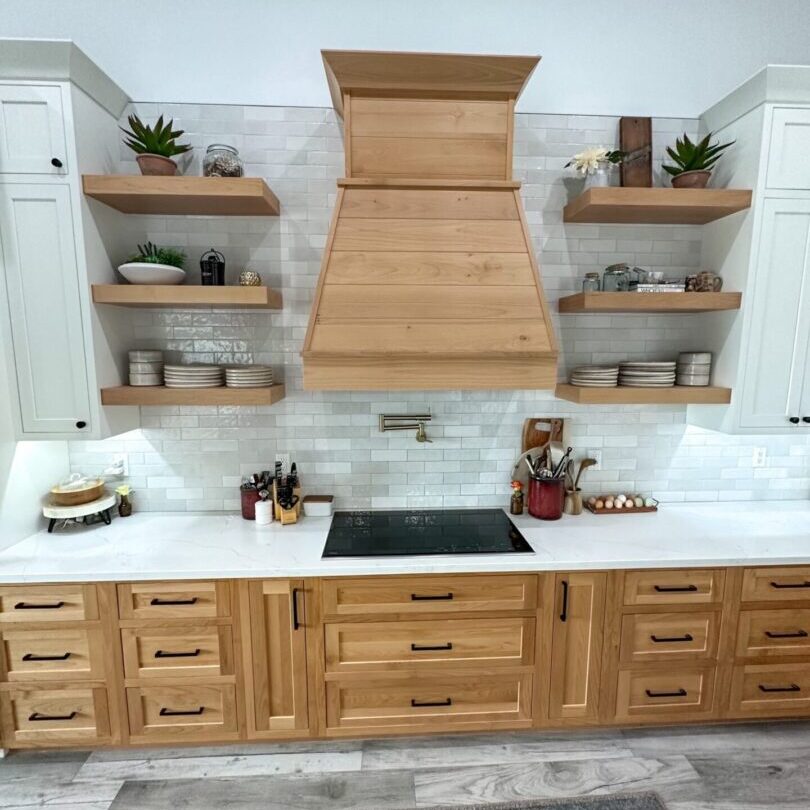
x=27 y=471
x=628 y=57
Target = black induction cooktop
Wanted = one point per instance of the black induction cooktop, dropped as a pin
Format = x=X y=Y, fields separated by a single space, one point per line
x=429 y=531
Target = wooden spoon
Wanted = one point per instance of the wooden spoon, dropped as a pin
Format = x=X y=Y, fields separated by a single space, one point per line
x=583 y=465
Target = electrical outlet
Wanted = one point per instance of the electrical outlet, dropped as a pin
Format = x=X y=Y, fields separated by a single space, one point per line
x=284 y=458
x=759 y=456
x=595 y=454
x=119 y=467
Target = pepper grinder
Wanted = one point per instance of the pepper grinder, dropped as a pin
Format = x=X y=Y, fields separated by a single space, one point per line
x=212 y=269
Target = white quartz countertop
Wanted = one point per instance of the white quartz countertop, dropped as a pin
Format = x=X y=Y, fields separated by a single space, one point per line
x=159 y=546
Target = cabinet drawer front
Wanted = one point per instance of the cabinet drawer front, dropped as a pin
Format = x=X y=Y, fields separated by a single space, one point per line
x=776 y=584
x=173 y=600
x=658 y=637
x=767 y=688
x=165 y=652
x=773 y=633
x=53 y=655
x=48 y=603
x=182 y=712
x=675 y=587
x=53 y=717
x=412 y=644
x=435 y=702
x=660 y=694
x=411 y=595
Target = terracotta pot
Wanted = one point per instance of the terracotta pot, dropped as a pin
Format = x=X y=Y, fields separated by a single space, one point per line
x=693 y=179
x=156 y=165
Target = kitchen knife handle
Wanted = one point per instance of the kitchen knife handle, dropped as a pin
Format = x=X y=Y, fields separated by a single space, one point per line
x=415 y=597
x=564 y=611
x=668 y=639
x=677 y=693
x=294 y=597
x=675 y=588
x=797 y=634
x=417 y=704
x=794 y=687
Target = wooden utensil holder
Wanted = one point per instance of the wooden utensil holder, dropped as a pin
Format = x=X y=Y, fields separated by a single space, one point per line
x=286 y=516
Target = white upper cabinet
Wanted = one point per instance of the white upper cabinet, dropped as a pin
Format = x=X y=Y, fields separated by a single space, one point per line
x=775 y=376
x=789 y=152
x=44 y=309
x=32 y=130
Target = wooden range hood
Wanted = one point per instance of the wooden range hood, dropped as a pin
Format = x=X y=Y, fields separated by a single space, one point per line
x=428 y=279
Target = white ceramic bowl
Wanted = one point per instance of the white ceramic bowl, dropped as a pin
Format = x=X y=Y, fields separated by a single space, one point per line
x=145 y=379
x=144 y=273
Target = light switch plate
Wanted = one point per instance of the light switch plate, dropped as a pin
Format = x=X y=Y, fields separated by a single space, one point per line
x=759 y=456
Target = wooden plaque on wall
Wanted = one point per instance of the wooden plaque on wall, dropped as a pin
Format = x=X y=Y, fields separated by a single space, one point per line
x=635 y=138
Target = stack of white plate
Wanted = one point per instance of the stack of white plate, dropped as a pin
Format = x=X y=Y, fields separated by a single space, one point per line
x=193 y=376
x=248 y=376
x=694 y=368
x=595 y=376
x=649 y=374
x=146 y=368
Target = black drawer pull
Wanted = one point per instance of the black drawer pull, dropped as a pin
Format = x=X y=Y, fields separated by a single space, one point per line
x=162 y=654
x=797 y=634
x=32 y=657
x=36 y=716
x=678 y=693
x=445 y=597
x=56 y=163
x=420 y=704
x=564 y=609
x=428 y=648
x=782 y=585
x=30 y=606
x=173 y=713
x=794 y=687
x=156 y=601
x=668 y=639
x=296 y=621
x=675 y=588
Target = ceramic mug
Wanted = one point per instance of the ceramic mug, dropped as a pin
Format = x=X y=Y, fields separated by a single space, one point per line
x=706 y=281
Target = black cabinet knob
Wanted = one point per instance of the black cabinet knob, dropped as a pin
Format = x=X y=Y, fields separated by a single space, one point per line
x=794 y=420
x=806 y=420
x=56 y=162
x=81 y=424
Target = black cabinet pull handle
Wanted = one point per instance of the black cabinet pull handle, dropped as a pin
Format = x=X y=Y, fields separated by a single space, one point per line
x=678 y=693
x=81 y=424
x=36 y=716
x=675 y=588
x=806 y=420
x=783 y=585
x=417 y=704
x=794 y=420
x=33 y=657
x=668 y=639
x=174 y=713
x=162 y=654
x=30 y=606
x=415 y=597
x=295 y=620
x=564 y=611
x=428 y=648
x=56 y=162
x=794 y=687
x=797 y=634
x=163 y=602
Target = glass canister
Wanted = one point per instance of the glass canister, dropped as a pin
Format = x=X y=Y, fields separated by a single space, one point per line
x=222 y=160
x=616 y=278
x=591 y=283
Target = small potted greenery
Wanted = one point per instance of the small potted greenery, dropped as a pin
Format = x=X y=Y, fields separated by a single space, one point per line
x=154 y=147
x=693 y=161
x=154 y=265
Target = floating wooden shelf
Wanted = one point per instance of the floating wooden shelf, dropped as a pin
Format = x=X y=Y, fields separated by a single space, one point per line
x=181 y=295
x=213 y=196
x=650 y=302
x=159 y=395
x=624 y=395
x=656 y=206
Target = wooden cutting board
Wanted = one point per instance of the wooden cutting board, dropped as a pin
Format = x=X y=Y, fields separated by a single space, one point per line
x=540 y=430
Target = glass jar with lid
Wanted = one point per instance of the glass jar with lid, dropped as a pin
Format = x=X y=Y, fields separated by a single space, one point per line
x=616 y=278
x=222 y=160
x=591 y=283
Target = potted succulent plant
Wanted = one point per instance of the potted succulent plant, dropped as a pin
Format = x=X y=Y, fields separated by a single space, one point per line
x=154 y=265
x=693 y=161
x=156 y=146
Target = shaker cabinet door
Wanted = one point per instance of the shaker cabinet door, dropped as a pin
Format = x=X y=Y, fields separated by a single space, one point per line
x=32 y=133
x=42 y=321
x=775 y=366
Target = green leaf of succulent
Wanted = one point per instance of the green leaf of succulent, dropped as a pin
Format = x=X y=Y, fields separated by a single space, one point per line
x=699 y=156
x=157 y=140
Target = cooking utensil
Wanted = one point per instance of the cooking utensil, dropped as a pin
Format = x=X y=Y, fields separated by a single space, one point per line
x=583 y=465
x=559 y=469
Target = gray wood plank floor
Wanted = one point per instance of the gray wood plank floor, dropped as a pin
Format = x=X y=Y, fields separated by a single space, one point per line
x=747 y=767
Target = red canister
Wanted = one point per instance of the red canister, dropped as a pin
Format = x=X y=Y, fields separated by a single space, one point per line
x=546 y=497
x=249 y=499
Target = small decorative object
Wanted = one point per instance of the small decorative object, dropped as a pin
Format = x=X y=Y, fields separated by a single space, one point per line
x=82 y=514
x=705 y=281
x=573 y=502
x=693 y=161
x=222 y=160
x=77 y=489
x=250 y=278
x=616 y=278
x=154 y=147
x=154 y=265
x=635 y=138
x=212 y=269
x=620 y=504
x=516 y=502
x=591 y=283
x=595 y=164
x=124 y=504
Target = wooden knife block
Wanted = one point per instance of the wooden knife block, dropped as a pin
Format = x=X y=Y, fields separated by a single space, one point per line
x=286 y=516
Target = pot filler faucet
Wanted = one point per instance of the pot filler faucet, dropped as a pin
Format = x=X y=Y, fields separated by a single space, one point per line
x=415 y=422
